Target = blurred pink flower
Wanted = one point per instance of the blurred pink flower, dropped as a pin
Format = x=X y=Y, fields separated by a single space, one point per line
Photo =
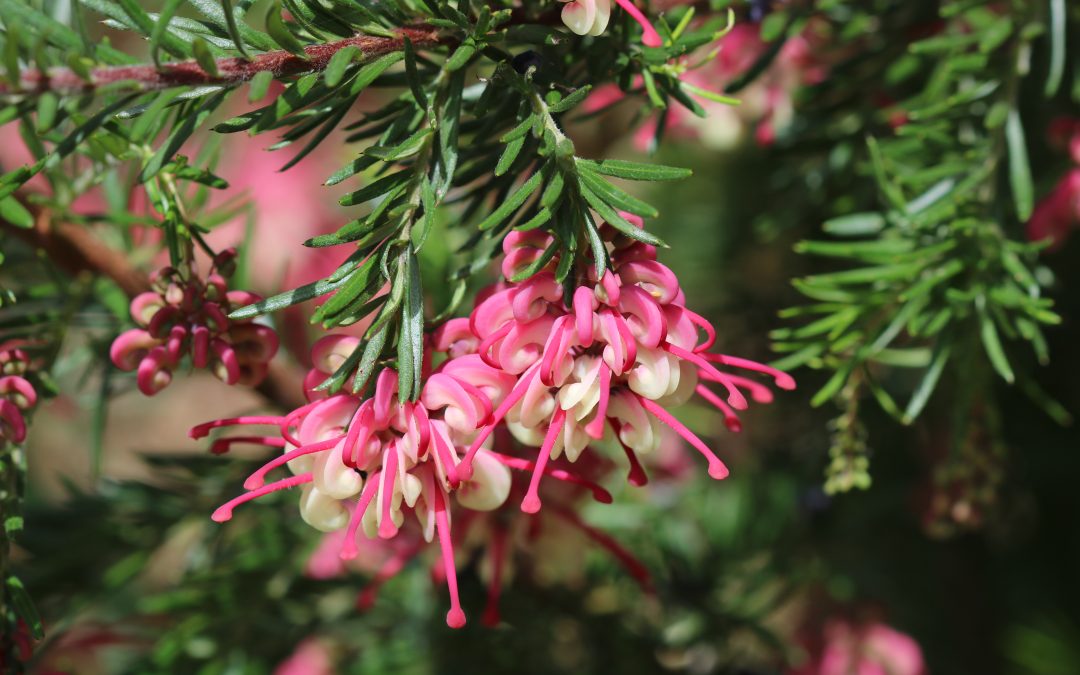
x=872 y=649
x=1058 y=213
x=311 y=657
x=766 y=106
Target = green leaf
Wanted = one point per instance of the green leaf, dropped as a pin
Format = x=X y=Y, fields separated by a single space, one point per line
x=213 y=10
x=260 y=84
x=410 y=146
x=635 y=170
x=372 y=351
x=461 y=55
x=180 y=134
x=542 y=217
x=234 y=29
x=992 y=344
x=12 y=211
x=1056 y=70
x=412 y=75
x=411 y=338
x=919 y=399
x=168 y=10
x=339 y=63
x=596 y=244
x=24 y=607
x=280 y=32
x=509 y=154
x=377 y=188
x=289 y=298
x=711 y=95
x=835 y=383
x=550 y=196
x=520 y=130
x=371 y=71
x=203 y=57
x=1019 y=168
x=538 y=264
x=146 y=25
x=614 y=196
x=319 y=136
x=576 y=97
x=513 y=202
x=613 y=218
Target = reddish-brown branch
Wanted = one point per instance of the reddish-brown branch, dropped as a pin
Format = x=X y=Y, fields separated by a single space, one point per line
x=230 y=71
x=75 y=250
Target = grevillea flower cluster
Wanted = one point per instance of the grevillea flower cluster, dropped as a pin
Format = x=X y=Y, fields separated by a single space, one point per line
x=186 y=316
x=550 y=377
x=17 y=395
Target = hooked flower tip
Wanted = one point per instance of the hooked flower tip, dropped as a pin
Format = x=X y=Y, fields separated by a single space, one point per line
x=348 y=551
x=462 y=472
x=222 y=514
x=455 y=618
x=387 y=528
x=531 y=504
x=718 y=471
x=254 y=482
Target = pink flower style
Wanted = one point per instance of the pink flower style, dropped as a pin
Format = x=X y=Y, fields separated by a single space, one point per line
x=17 y=395
x=183 y=315
x=494 y=538
x=623 y=352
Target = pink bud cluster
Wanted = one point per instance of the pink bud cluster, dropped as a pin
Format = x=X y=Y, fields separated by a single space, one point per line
x=556 y=376
x=17 y=395
x=186 y=316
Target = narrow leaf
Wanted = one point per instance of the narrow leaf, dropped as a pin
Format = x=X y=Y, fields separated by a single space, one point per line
x=1019 y=168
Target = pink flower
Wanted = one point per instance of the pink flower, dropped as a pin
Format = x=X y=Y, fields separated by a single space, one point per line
x=874 y=649
x=17 y=395
x=624 y=351
x=184 y=316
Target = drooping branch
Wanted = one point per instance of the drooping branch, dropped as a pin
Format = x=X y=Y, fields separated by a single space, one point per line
x=230 y=71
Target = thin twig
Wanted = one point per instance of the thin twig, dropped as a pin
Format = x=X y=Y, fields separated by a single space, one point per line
x=230 y=71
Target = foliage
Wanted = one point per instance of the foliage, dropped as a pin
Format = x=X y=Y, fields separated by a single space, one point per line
x=920 y=154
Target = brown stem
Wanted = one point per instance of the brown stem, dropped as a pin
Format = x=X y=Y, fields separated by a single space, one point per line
x=76 y=250
x=230 y=71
